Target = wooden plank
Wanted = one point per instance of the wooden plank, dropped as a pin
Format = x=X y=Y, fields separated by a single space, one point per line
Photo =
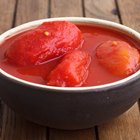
x=101 y=9
x=72 y=135
x=60 y=8
x=129 y=10
x=15 y=127
x=6 y=21
x=7 y=14
x=130 y=16
x=64 y=8
x=28 y=10
x=125 y=127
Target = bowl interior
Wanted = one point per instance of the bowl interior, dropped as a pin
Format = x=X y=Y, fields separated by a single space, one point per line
x=77 y=20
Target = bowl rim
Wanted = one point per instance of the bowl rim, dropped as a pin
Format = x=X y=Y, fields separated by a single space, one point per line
x=83 y=20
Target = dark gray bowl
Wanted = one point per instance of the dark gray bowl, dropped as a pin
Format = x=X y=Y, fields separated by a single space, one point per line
x=70 y=108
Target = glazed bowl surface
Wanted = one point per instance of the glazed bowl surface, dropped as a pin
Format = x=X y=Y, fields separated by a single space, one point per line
x=70 y=108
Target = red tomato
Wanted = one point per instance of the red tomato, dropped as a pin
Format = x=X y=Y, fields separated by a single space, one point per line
x=118 y=57
x=72 y=71
x=47 y=41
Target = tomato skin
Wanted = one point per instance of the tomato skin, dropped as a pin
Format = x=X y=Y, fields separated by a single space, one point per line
x=118 y=57
x=47 y=41
x=72 y=71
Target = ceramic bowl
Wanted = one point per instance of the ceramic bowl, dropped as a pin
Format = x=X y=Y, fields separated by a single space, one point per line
x=70 y=108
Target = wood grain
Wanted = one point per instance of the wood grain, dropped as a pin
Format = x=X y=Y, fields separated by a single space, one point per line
x=7 y=13
x=129 y=11
x=72 y=135
x=125 y=127
x=101 y=9
x=28 y=10
x=60 y=8
x=64 y=8
x=16 y=128
x=6 y=22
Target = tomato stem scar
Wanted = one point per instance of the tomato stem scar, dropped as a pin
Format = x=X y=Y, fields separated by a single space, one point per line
x=114 y=43
x=46 y=33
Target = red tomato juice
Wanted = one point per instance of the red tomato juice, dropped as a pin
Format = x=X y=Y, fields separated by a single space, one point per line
x=92 y=36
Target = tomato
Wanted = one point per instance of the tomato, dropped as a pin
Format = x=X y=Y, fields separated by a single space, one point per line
x=47 y=41
x=71 y=71
x=118 y=57
x=108 y=63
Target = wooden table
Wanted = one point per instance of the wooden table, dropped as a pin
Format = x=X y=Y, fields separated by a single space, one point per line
x=15 y=12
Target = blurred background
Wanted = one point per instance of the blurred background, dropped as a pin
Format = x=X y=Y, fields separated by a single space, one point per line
x=15 y=12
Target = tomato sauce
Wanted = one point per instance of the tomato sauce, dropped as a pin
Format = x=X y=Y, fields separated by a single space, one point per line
x=92 y=36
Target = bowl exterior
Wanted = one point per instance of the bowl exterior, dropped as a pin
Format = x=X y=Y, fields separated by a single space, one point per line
x=68 y=110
